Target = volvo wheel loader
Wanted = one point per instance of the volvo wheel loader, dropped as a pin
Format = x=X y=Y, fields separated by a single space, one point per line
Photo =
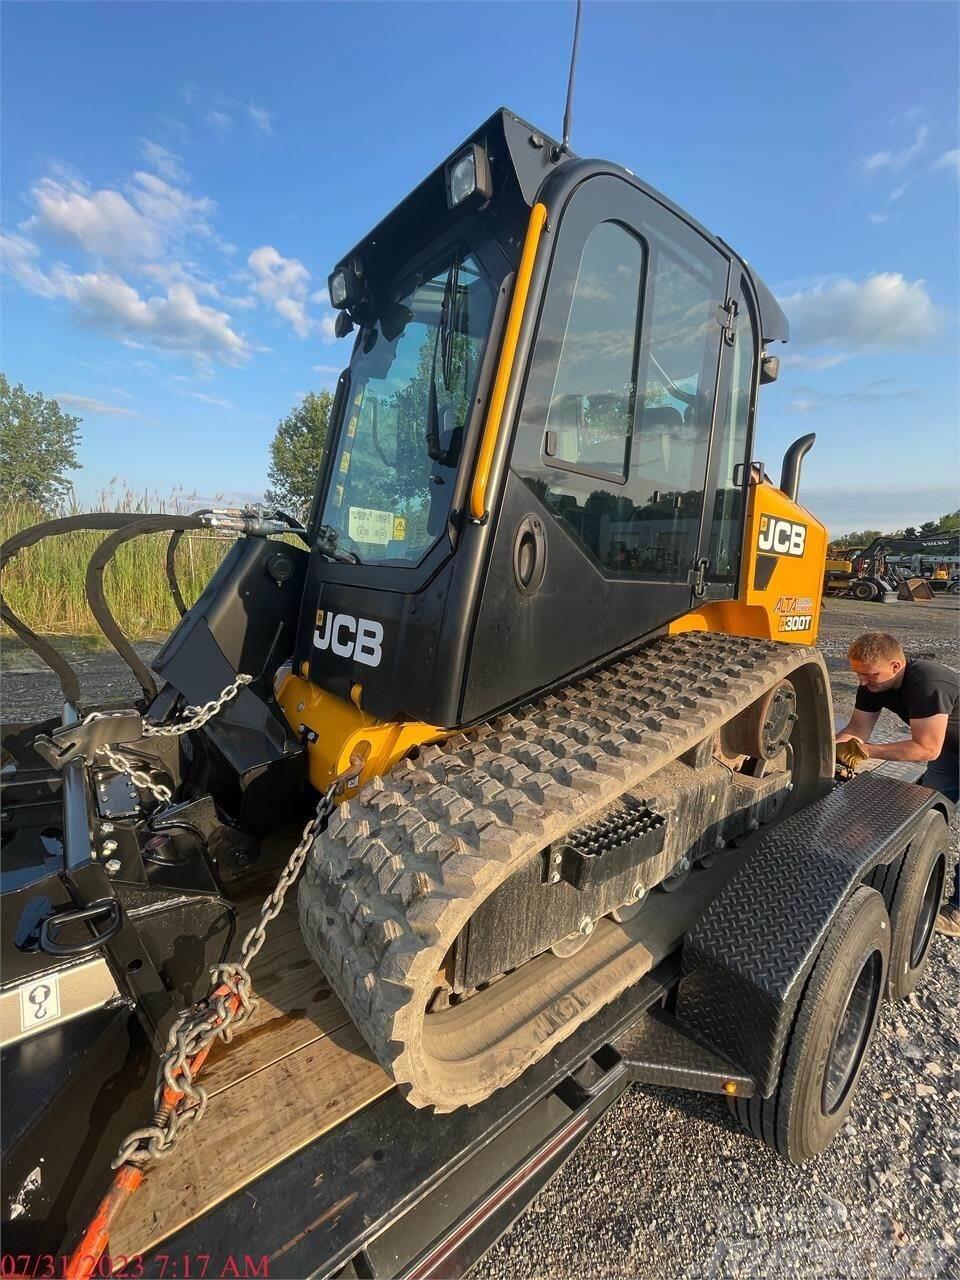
x=543 y=649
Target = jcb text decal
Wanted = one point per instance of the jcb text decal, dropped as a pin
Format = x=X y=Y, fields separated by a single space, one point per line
x=357 y=638
x=781 y=537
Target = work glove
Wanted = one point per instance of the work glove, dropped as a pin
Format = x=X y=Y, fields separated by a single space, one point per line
x=851 y=754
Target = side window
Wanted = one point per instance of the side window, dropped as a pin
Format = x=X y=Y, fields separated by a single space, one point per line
x=615 y=422
x=678 y=369
x=730 y=451
x=590 y=417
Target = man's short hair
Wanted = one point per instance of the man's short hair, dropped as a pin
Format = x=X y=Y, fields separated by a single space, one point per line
x=876 y=646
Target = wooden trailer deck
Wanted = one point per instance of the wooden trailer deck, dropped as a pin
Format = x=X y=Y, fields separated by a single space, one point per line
x=297 y=1069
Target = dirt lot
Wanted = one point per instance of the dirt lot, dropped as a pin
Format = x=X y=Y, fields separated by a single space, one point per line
x=668 y=1187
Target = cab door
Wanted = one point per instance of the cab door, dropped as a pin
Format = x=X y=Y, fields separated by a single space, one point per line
x=724 y=510
x=611 y=444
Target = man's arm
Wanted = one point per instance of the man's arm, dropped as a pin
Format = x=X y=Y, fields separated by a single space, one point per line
x=924 y=744
x=860 y=725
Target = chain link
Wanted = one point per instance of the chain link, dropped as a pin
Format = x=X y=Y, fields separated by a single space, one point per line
x=228 y=1006
x=195 y=718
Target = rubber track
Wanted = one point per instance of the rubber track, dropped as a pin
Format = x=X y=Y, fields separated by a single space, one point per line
x=399 y=869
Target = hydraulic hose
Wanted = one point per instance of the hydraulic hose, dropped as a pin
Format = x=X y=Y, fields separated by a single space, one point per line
x=97 y=599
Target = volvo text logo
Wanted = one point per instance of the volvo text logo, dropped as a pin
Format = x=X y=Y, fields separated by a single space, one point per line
x=782 y=537
x=348 y=637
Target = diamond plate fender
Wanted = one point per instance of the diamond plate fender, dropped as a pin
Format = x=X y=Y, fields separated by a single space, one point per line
x=746 y=959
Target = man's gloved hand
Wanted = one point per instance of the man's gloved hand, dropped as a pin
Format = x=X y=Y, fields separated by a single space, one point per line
x=851 y=754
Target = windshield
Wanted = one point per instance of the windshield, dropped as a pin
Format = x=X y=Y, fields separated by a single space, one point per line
x=412 y=384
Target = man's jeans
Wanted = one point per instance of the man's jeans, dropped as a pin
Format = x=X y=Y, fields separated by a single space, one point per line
x=943 y=775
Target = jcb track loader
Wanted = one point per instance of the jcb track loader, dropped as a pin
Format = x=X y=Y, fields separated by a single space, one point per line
x=546 y=649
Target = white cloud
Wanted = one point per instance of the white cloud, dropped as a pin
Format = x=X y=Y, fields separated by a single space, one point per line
x=950 y=160
x=221 y=122
x=88 y=405
x=898 y=159
x=897 y=192
x=104 y=222
x=221 y=404
x=282 y=283
x=328 y=328
x=169 y=208
x=108 y=225
x=879 y=217
x=885 y=310
x=811 y=400
x=326 y=368
x=165 y=162
x=826 y=361
x=261 y=118
x=19 y=257
x=174 y=321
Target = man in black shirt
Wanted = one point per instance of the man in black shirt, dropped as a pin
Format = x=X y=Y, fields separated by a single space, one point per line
x=925 y=695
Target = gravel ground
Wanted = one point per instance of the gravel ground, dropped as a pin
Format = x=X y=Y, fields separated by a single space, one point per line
x=667 y=1187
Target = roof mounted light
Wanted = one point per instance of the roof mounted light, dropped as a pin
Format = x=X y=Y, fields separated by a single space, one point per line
x=345 y=286
x=467 y=175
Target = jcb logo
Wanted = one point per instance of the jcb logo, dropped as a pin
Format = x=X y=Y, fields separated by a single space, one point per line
x=782 y=537
x=347 y=637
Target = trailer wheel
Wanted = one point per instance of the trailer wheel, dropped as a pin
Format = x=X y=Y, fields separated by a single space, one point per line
x=914 y=904
x=831 y=1034
x=864 y=589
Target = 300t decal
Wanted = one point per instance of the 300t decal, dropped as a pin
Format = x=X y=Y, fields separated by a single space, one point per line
x=781 y=537
x=796 y=622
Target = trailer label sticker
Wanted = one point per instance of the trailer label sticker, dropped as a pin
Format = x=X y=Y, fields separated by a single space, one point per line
x=39 y=1002
x=796 y=622
x=348 y=637
x=372 y=527
x=781 y=537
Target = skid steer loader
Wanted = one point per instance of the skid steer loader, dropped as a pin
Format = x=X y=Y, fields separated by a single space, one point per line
x=543 y=648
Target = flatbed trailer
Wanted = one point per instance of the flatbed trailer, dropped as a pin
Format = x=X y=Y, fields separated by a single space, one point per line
x=309 y=1162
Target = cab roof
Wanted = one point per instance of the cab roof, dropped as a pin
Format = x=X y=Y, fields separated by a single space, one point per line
x=521 y=157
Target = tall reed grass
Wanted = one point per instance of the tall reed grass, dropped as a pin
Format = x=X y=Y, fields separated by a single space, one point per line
x=44 y=585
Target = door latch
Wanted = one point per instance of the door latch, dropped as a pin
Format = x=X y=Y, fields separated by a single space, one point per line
x=727 y=319
x=698 y=576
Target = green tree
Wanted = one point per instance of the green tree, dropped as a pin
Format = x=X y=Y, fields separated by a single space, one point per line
x=296 y=453
x=38 y=445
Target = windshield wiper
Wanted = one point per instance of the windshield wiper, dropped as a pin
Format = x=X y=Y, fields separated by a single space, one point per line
x=443 y=346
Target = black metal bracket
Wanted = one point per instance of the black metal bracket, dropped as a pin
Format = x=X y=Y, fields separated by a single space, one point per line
x=83 y=741
x=106 y=909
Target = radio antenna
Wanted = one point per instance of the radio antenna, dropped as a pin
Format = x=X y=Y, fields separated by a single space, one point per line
x=568 y=110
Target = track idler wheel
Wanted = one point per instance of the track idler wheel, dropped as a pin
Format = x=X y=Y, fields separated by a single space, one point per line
x=763 y=730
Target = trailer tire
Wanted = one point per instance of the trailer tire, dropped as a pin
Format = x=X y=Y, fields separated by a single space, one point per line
x=830 y=1037
x=866 y=589
x=884 y=879
x=914 y=903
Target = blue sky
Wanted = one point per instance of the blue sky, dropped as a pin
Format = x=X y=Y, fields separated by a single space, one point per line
x=178 y=179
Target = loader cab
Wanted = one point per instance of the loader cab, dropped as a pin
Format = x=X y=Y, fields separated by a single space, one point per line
x=540 y=448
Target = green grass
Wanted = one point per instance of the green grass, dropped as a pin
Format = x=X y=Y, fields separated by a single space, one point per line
x=44 y=584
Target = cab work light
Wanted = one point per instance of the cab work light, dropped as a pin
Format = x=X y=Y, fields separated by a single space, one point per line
x=345 y=287
x=468 y=174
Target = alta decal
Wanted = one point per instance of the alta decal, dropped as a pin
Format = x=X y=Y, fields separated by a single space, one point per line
x=781 y=537
x=796 y=622
x=794 y=604
x=348 y=637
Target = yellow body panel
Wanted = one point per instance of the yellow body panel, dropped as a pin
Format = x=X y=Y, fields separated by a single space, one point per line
x=342 y=729
x=491 y=427
x=785 y=550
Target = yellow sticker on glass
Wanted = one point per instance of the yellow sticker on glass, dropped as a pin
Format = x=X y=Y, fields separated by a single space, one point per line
x=345 y=464
x=399 y=528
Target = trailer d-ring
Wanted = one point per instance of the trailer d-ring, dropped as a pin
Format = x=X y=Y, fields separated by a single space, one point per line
x=52 y=925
